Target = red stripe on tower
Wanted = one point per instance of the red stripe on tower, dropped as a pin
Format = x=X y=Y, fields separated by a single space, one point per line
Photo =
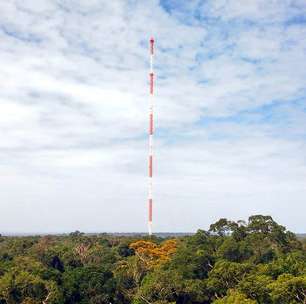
x=152 y=46
x=151 y=83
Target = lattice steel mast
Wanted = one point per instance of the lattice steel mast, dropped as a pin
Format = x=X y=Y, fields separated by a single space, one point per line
x=151 y=130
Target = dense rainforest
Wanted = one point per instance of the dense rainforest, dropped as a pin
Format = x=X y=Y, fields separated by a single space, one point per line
x=257 y=261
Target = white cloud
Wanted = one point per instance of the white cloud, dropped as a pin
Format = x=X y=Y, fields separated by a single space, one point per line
x=73 y=102
x=259 y=10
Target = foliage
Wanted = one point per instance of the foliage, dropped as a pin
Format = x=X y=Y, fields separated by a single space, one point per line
x=152 y=254
x=289 y=289
x=226 y=275
x=234 y=297
x=257 y=261
x=256 y=287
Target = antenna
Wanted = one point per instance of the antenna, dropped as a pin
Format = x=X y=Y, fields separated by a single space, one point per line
x=150 y=194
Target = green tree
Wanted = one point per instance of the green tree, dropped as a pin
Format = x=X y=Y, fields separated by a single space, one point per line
x=223 y=227
x=160 y=285
x=292 y=263
x=255 y=286
x=226 y=275
x=288 y=289
x=22 y=286
x=167 y=286
x=88 y=285
x=234 y=297
x=194 y=258
x=235 y=251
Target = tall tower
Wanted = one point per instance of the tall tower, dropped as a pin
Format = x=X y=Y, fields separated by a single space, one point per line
x=150 y=194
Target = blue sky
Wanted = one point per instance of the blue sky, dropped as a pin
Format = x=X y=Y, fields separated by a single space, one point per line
x=230 y=113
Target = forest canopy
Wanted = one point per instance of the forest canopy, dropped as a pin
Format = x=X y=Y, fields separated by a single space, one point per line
x=257 y=261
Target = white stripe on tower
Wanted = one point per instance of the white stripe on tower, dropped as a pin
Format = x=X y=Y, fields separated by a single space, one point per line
x=150 y=194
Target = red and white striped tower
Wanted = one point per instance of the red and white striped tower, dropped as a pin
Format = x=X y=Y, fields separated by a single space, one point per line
x=150 y=194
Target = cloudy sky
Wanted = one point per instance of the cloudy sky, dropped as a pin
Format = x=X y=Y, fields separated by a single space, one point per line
x=230 y=135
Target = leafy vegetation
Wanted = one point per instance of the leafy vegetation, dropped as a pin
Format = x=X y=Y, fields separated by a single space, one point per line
x=234 y=262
